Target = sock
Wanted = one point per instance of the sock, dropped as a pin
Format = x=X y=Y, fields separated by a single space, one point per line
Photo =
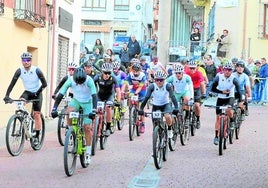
x=197 y=118
x=216 y=134
x=108 y=125
x=169 y=127
x=186 y=114
x=88 y=150
x=231 y=119
x=37 y=133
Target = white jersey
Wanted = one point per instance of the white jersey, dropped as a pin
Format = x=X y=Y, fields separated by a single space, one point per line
x=160 y=95
x=30 y=79
x=156 y=67
x=226 y=84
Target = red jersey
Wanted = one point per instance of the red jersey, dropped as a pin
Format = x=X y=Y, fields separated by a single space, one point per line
x=197 y=78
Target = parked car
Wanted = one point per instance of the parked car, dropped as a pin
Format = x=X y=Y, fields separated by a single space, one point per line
x=118 y=43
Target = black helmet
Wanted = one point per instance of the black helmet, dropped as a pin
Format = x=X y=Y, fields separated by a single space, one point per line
x=136 y=67
x=240 y=63
x=79 y=76
x=26 y=55
x=234 y=60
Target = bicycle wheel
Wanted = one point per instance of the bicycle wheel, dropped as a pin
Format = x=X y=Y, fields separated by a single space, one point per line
x=95 y=135
x=15 y=136
x=41 y=135
x=221 y=136
x=132 y=123
x=238 y=123
x=83 y=155
x=175 y=128
x=193 y=123
x=157 y=148
x=121 y=122
x=164 y=144
x=103 y=138
x=70 y=152
x=230 y=134
x=62 y=127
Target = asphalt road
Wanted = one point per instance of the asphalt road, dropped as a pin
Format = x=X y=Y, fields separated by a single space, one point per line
x=127 y=163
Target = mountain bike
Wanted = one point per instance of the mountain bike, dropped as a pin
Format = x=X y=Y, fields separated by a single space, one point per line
x=20 y=127
x=62 y=126
x=224 y=130
x=99 y=127
x=160 y=138
x=118 y=117
x=134 y=122
x=75 y=143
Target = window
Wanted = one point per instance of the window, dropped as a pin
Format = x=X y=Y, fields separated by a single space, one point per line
x=211 y=23
x=121 y=5
x=265 y=28
x=94 y=4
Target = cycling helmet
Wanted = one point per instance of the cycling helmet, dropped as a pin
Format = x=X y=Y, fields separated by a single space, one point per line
x=234 y=60
x=106 y=56
x=107 y=67
x=192 y=63
x=116 y=64
x=257 y=62
x=240 y=63
x=72 y=65
x=26 y=55
x=159 y=74
x=88 y=64
x=228 y=65
x=155 y=59
x=136 y=67
x=91 y=57
x=79 y=76
x=134 y=60
x=178 y=68
x=143 y=58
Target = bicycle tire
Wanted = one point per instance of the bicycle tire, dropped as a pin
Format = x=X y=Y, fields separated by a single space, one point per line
x=103 y=138
x=157 y=150
x=70 y=152
x=221 y=136
x=193 y=124
x=164 y=143
x=41 y=135
x=238 y=123
x=83 y=155
x=62 y=127
x=132 y=124
x=15 y=135
x=230 y=134
x=175 y=128
x=95 y=135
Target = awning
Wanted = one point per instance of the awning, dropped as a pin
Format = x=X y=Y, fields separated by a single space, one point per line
x=120 y=28
x=94 y=28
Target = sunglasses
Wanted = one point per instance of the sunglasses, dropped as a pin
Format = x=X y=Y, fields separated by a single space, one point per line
x=229 y=70
x=71 y=69
x=192 y=68
x=159 y=80
x=26 y=60
x=178 y=73
x=240 y=66
x=107 y=73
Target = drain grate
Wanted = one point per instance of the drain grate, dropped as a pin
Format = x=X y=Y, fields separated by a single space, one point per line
x=144 y=182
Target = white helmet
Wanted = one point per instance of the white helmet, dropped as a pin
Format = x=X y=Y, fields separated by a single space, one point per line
x=107 y=67
x=116 y=64
x=72 y=65
x=178 y=68
x=160 y=74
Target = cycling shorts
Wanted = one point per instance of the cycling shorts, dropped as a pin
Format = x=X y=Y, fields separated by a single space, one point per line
x=87 y=108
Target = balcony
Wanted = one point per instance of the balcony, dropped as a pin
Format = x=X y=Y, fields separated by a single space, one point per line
x=29 y=17
x=200 y=3
x=2 y=10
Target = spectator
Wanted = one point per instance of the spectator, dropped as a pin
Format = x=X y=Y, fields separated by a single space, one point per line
x=110 y=53
x=263 y=84
x=250 y=64
x=195 y=37
x=256 y=87
x=134 y=48
x=97 y=54
x=123 y=55
x=153 y=45
x=211 y=71
x=98 y=44
x=223 y=44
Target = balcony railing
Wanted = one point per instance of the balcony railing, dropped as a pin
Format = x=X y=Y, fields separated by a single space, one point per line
x=32 y=12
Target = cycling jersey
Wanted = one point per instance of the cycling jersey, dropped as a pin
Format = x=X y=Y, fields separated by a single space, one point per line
x=137 y=81
x=197 y=78
x=243 y=80
x=81 y=92
x=120 y=77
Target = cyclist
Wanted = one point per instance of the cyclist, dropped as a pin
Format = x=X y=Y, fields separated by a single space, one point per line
x=198 y=83
x=90 y=70
x=183 y=89
x=85 y=97
x=137 y=80
x=31 y=77
x=225 y=84
x=144 y=65
x=107 y=86
x=154 y=66
x=71 y=67
x=162 y=92
x=244 y=84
